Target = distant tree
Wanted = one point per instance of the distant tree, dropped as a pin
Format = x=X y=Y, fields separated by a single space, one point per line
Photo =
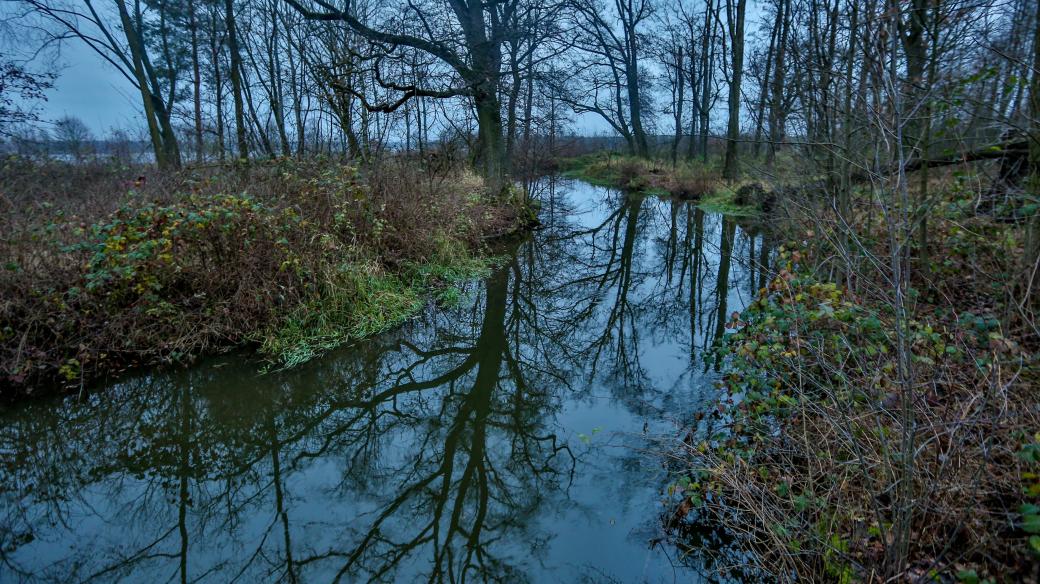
x=775 y=99
x=672 y=55
x=607 y=81
x=30 y=142
x=236 y=79
x=703 y=42
x=120 y=146
x=146 y=54
x=75 y=137
x=735 y=10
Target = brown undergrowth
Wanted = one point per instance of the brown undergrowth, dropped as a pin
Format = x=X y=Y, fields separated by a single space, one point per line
x=105 y=268
x=803 y=459
x=686 y=179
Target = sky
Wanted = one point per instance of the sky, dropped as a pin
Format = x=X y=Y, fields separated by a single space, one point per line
x=92 y=90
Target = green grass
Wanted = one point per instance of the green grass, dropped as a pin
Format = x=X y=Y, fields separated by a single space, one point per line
x=723 y=201
x=593 y=169
x=357 y=300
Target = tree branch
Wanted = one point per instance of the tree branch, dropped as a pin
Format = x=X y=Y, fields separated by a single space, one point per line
x=335 y=14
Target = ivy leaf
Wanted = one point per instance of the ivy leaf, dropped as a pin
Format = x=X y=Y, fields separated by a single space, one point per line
x=1031 y=523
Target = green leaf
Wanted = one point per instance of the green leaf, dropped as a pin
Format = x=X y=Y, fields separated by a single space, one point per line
x=968 y=577
x=1031 y=523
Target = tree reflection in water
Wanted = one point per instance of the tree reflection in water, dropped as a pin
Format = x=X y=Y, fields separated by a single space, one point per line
x=463 y=447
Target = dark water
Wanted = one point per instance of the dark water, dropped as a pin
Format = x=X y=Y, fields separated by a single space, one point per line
x=505 y=439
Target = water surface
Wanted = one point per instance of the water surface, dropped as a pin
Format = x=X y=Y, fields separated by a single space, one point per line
x=503 y=439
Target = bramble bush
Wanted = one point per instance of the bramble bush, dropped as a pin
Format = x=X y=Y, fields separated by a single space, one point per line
x=804 y=444
x=296 y=257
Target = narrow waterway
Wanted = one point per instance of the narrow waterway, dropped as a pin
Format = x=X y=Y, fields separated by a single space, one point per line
x=505 y=438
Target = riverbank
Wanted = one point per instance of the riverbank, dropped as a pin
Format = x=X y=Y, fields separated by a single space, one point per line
x=856 y=438
x=108 y=268
x=685 y=180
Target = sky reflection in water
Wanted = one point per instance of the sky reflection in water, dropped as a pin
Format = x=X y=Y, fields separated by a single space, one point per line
x=500 y=440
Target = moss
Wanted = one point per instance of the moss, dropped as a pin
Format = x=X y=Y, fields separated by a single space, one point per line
x=724 y=201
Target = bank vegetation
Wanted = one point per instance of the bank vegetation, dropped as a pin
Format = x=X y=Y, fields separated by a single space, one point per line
x=106 y=267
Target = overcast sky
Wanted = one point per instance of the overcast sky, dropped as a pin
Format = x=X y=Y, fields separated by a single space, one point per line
x=92 y=90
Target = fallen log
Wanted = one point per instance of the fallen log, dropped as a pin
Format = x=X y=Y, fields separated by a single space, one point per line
x=1016 y=149
x=1012 y=153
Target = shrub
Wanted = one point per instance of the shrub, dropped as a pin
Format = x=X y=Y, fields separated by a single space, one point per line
x=316 y=253
x=802 y=453
x=632 y=174
x=754 y=195
x=690 y=183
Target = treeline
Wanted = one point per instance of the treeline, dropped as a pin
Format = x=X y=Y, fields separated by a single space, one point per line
x=220 y=79
x=269 y=78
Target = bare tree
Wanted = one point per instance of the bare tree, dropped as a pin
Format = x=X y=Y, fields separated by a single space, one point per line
x=468 y=38
x=130 y=55
x=673 y=58
x=608 y=83
x=235 y=73
x=74 y=136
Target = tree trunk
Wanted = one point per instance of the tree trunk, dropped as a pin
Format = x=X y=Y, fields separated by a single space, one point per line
x=196 y=78
x=635 y=108
x=1031 y=255
x=707 y=43
x=730 y=168
x=845 y=190
x=490 y=145
x=677 y=102
x=763 y=92
x=296 y=82
x=695 y=106
x=163 y=109
x=236 y=80
x=776 y=94
x=486 y=56
x=514 y=97
x=274 y=66
x=166 y=155
x=218 y=85
x=529 y=100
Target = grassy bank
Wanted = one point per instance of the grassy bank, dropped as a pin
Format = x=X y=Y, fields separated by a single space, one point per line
x=827 y=447
x=106 y=268
x=687 y=180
